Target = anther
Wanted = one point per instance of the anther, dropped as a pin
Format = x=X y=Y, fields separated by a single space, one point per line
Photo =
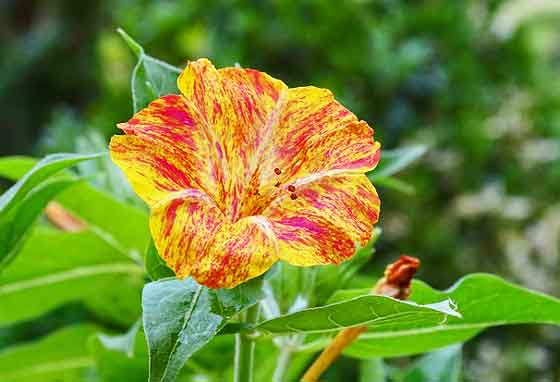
x=291 y=188
x=277 y=184
x=277 y=171
x=293 y=196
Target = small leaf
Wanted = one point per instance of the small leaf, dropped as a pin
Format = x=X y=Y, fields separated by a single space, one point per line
x=61 y=356
x=181 y=316
x=484 y=301
x=392 y=183
x=151 y=78
x=379 y=312
x=155 y=266
x=394 y=161
x=123 y=343
x=443 y=365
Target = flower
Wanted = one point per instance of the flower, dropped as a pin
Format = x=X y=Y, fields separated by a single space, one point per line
x=239 y=171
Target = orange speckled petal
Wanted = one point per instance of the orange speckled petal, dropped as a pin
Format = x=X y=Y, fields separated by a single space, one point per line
x=165 y=150
x=237 y=105
x=325 y=220
x=193 y=237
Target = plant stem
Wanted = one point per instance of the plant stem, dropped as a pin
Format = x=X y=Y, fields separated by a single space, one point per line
x=245 y=348
x=281 y=365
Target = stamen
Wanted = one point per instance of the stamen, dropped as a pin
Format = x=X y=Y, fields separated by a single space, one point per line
x=293 y=196
x=277 y=184
x=277 y=171
x=291 y=188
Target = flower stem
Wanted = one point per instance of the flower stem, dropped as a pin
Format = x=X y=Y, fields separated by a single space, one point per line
x=245 y=349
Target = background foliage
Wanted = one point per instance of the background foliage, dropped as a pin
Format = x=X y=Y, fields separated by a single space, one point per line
x=477 y=81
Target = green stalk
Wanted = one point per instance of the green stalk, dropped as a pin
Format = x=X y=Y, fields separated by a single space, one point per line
x=245 y=348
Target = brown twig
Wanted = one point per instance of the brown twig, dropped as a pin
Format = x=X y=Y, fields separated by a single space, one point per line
x=63 y=219
x=396 y=283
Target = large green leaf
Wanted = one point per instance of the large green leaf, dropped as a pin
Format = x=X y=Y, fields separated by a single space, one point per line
x=378 y=312
x=151 y=77
x=483 y=300
x=443 y=365
x=181 y=316
x=62 y=356
x=57 y=267
x=123 y=226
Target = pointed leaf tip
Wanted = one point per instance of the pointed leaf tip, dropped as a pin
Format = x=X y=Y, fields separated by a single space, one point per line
x=132 y=44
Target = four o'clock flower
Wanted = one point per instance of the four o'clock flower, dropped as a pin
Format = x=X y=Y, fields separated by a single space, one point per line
x=240 y=171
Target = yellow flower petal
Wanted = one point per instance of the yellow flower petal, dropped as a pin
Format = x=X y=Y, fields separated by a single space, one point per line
x=165 y=150
x=323 y=218
x=194 y=238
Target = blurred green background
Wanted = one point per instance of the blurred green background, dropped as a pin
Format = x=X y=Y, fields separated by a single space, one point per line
x=477 y=81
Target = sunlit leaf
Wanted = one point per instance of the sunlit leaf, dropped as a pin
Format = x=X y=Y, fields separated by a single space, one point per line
x=57 y=267
x=483 y=300
x=378 y=312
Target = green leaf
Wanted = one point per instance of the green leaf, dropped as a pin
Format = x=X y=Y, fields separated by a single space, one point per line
x=302 y=287
x=373 y=370
x=61 y=356
x=23 y=202
x=123 y=226
x=123 y=343
x=57 y=267
x=155 y=266
x=46 y=167
x=151 y=78
x=483 y=300
x=15 y=224
x=394 y=161
x=379 y=312
x=181 y=316
x=393 y=184
x=443 y=365
x=122 y=357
